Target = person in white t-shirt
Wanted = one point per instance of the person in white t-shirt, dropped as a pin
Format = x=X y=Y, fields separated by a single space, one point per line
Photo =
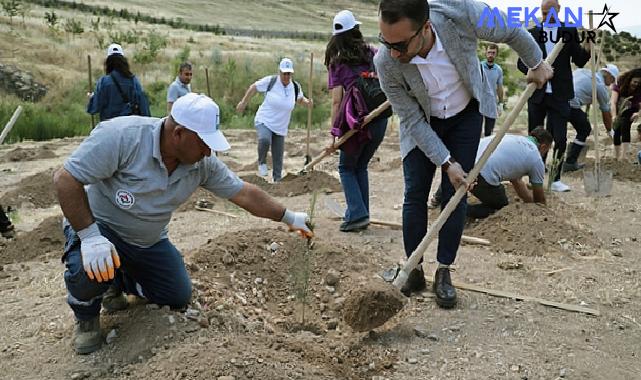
x=282 y=94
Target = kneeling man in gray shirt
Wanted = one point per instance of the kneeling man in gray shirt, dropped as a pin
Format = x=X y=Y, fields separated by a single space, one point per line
x=118 y=191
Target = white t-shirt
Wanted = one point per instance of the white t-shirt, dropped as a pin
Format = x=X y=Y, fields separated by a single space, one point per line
x=276 y=110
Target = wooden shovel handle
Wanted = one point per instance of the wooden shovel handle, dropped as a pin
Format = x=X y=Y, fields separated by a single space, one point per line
x=371 y=116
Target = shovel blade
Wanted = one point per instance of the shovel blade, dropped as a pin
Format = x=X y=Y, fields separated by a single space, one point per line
x=334 y=207
x=597 y=183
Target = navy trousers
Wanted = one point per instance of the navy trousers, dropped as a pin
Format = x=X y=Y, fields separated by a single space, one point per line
x=460 y=134
x=156 y=273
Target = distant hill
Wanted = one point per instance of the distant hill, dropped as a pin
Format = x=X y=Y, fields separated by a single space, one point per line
x=634 y=30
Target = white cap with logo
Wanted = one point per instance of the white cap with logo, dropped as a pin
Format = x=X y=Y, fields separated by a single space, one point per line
x=200 y=114
x=115 y=49
x=612 y=69
x=344 y=21
x=286 y=65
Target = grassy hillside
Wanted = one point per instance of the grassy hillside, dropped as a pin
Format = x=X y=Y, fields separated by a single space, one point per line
x=56 y=53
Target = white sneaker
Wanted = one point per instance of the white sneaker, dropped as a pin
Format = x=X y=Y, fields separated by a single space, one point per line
x=560 y=187
x=262 y=170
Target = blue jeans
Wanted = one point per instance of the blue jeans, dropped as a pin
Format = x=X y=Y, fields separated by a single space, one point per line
x=353 y=172
x=460 y=134
x=156 y=273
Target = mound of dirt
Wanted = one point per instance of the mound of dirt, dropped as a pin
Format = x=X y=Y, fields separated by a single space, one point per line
x=28 y=154
x=293 y=185
x=37 y=190
x=621 y=170
x=265 y=275
x=371 y=305
x=531 y=229
x=47 y=238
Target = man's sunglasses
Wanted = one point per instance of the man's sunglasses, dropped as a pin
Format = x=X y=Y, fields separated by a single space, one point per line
x=400 y=47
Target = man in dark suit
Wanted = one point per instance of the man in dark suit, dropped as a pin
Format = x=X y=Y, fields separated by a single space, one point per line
x=552 y=99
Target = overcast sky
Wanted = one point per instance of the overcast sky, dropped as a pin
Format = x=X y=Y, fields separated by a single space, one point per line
x=627 y=15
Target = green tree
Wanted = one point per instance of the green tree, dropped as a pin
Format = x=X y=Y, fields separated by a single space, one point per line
x=73 y=26
x=11 y=8
x=51 y=19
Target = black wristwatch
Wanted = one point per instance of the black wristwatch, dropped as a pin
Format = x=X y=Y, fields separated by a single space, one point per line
x=448 y=163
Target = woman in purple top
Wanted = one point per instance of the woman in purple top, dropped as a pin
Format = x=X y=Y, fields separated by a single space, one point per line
x=626 y=103
x=346 y=56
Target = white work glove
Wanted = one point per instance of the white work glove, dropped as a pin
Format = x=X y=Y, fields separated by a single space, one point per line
x=611 y=133
x=297 y=221
x=499 y=109
x=99 y=256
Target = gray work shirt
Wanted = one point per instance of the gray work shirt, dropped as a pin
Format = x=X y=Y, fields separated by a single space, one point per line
x=583 y=90
x=514 y=157
x=176 y=90
x=129 y=188
x=494 y=75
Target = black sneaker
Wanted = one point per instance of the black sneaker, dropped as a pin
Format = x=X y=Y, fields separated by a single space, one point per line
x=415 y=282
x=355 y=226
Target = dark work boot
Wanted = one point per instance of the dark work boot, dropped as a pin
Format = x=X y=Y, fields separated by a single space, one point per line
x=443 y=288
x=114 y=299
x=415 y=282
x=88 y=338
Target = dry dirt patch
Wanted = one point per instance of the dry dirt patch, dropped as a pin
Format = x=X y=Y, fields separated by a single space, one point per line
x=46 y=238
x=621 y=170
x=28 y=154
x=36 y=190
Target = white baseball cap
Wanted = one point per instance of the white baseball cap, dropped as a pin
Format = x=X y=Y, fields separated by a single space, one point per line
x=200 y=114
x=115 y=49
x=344 y=21
x=612 y=69
x=286 y=65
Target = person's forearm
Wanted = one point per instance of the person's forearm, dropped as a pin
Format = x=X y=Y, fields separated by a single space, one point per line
x=522 y=191
x=251 y=91
x=258 y=203
x=72 y=199
x=499 y=91
x=337 y=98
x=169 y=105
x=607 y=120
x=335 y=108
x=538 y=194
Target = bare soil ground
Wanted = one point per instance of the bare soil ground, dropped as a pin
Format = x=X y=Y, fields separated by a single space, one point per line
x=246 y=317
